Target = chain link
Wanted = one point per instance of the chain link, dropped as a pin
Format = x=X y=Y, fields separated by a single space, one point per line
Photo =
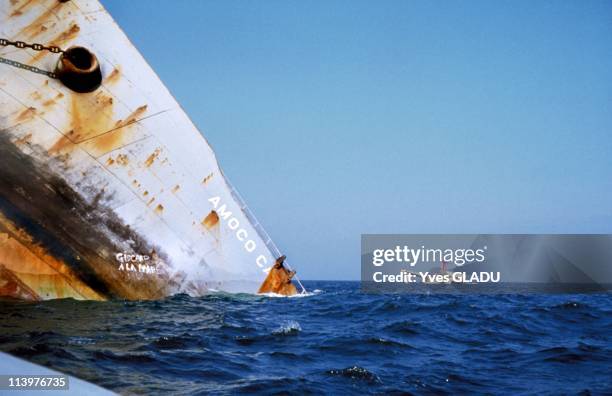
x=33 y=69
x=34 y=46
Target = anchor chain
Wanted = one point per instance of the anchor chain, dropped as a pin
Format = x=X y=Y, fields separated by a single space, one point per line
x=36 y=47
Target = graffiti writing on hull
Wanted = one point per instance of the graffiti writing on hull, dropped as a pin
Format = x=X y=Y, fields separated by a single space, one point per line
x=135 y=263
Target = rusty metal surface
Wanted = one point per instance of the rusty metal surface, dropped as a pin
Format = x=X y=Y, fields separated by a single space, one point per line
x=86 y=178
x=279 y=280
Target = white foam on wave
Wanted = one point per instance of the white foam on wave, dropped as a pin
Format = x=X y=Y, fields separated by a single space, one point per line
x=289 y=327
x=299 y=295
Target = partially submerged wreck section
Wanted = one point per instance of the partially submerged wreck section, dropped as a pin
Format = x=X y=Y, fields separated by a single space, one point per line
x=279 y=279
x=107 y=189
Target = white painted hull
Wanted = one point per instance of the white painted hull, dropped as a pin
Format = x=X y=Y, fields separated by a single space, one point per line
x=86 y=177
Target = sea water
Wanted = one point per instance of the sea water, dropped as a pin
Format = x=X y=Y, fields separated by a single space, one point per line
x=336 y=340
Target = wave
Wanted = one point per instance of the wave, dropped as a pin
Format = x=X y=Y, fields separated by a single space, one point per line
x=337 y=341
x=355 y=373
x=290 y=327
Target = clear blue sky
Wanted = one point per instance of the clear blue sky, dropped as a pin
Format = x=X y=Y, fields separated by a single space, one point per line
x=337 y=118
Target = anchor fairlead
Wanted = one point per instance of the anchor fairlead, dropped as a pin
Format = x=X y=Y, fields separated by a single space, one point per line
x=79 y=70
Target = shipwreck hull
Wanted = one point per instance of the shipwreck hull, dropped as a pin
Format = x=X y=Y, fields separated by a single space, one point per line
x=113 y=193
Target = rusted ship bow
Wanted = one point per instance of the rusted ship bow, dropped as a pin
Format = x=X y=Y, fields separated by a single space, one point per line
x=107 y=190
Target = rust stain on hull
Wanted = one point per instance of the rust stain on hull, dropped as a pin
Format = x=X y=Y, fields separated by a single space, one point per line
x=87 y=119
x=207 y=179
x=92 y=123
x=132 y=118
x=38 y=26
x=26 y=115
x=24 y=140
x=109 y=141
x=211 y=220
x=23 y=7
x=71 y=33
x=151 y=159
x=113 y=77
x=51 y=102
x=122 y=159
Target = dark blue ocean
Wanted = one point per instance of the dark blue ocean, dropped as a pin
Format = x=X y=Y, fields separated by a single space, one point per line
x=337 y=341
